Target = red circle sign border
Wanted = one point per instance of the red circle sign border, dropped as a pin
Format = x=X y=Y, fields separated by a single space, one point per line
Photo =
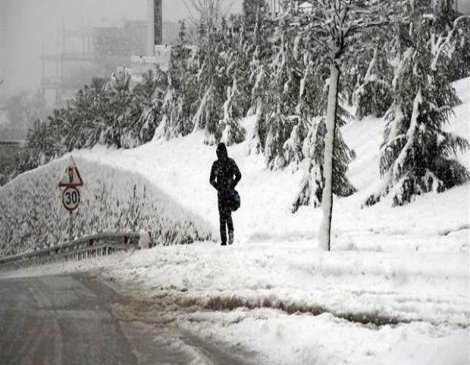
x=63 y=195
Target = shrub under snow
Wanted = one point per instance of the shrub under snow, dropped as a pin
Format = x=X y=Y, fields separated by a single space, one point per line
x=111 y=200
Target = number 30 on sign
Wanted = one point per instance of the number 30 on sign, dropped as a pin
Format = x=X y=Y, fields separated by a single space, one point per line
x=71 y=198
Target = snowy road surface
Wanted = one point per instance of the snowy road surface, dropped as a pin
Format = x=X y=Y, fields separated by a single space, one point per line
x=59 y=320
x=74 y=320
x=286 y=303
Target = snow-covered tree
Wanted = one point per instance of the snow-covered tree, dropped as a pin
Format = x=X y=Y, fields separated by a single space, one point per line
x=459 y=67
x=252 y=10
x=260 y=51
x=145 y=109
x=313 y=182
x=236 y=71
x=311 y=107
x=460 y=55
x=211 y=84
x=211 y=80
x=114 y=117
x=334 y=24
x=43 y=144
x=284 y=86
x=372 y=93
x=418 y=154
x=180 y=94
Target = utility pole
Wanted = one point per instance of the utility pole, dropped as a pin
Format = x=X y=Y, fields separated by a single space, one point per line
x=150 y=29
x=158 y=22
x=154 y=26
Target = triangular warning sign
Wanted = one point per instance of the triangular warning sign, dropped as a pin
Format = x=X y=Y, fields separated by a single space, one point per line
x=71 y=175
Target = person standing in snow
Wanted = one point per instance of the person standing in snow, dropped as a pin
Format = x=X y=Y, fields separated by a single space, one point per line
x=225 y=175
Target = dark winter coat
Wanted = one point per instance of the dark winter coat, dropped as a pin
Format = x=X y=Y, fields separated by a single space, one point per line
x=224 y=173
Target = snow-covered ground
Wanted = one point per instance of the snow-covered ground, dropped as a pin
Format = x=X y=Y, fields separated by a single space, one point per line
x=393 y=290
x=112 y=199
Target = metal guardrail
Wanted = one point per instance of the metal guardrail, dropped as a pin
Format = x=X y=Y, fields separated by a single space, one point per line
x=102 y=244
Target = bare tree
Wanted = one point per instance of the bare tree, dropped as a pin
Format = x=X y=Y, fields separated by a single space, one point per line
x=207 y=13
x=334 y=24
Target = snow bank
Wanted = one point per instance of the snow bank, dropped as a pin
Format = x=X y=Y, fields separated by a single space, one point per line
x=181 y=168
x=325 y=339
x=111 y=200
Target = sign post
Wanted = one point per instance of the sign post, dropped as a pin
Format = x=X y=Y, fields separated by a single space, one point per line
x=70 y=183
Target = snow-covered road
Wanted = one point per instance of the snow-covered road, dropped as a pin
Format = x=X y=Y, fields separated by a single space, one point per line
x=292 y=304
x=71 y=319
x=59 y=320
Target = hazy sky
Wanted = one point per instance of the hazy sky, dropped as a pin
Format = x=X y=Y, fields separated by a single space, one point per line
x=31 y=27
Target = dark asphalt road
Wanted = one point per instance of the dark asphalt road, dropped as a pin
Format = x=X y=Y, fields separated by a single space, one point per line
x=59 y=320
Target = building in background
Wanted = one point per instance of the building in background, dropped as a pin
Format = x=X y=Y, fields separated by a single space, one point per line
x=98 y=52
x=87 y=54
x=157 y=54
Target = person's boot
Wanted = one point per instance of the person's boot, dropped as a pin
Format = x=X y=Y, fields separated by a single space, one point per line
x=230 y=238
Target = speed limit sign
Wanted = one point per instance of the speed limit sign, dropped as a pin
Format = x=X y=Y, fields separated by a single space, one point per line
x=71 y=198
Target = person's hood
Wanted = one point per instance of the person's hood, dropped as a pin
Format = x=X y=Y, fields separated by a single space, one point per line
x=222 y=152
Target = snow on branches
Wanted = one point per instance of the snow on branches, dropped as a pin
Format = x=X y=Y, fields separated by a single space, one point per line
x=312 y=148
x=334 y=26
x=418 y=155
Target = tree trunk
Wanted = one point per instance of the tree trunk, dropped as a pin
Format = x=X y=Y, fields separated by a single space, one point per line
x=327 y=197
